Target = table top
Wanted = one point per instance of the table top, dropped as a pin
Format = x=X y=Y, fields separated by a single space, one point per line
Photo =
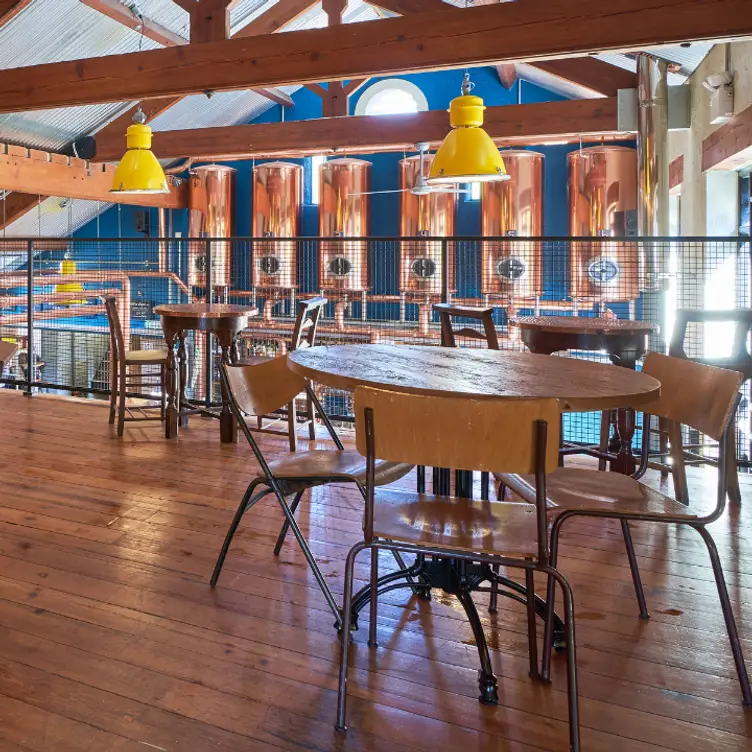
x=205 y=310
x=580 y=385
x=584 y=325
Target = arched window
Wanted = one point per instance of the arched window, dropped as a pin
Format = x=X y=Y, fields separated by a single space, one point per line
x=392 y=96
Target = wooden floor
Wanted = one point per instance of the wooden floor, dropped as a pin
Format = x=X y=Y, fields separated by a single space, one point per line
x=111 y=639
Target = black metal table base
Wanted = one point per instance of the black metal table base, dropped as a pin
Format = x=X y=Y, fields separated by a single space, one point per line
x=462 y=579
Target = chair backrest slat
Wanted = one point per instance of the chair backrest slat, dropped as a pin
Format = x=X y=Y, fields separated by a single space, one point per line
x=307 y=322
x=693 y=394
x=7 y=351
x=262 y=388
x=447 y=312
x=458 y=432
x=116 y=330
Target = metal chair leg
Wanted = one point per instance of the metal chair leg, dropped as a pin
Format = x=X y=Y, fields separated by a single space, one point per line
x=572 y=690
x=493 y=599
x=485 y=484
x=728 y=614
x=487 y=683
x=292 y=425
x=286 y=524
x=121 y=401
x=548 y=629
x=605 y=432
x=311 y=418
x=532 y=636
x=636 y=579
x=245 y=504
x=373 y=601
x=732 y=474
x=162 y=386
x=341 y=725
x=113 y=391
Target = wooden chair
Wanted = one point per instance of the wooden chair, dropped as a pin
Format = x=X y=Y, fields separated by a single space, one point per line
x=740 y=360
x=447 y=312
x=7 y=351
x=407 y=428
x=121 y=380
x=261 y=389
x=693 y=394
x=304 y=335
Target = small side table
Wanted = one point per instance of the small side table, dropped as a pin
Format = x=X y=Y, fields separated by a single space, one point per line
x=625 y=341
x=224 y=321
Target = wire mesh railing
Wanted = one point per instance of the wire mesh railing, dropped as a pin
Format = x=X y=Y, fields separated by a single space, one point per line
x=379 y=290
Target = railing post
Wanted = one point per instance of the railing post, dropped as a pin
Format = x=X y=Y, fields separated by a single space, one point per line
x=445 y=271
x=30 y=359
x=209 y=355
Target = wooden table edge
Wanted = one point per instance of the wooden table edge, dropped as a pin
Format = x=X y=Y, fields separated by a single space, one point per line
x=586 y=405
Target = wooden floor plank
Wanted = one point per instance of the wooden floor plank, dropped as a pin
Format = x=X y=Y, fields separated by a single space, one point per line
x=106 y=620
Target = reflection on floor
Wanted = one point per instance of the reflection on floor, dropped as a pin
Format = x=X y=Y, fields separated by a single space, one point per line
x=111 y=639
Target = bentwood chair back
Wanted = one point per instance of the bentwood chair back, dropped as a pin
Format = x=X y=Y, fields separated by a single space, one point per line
x=264 y=388
x=739 y=359
x=693 y=394
x=469 y=434
x=448 y=312
x=304 y=335
x=121 y=379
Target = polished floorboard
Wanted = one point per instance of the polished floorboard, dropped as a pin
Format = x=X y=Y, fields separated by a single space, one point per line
x=111 y=639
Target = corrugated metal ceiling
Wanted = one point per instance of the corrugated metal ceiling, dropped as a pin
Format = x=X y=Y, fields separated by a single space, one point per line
x=57 y=30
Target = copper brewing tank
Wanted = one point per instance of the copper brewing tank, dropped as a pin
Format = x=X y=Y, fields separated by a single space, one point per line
x=514 y=208
x=430 y=216
x=343 y=213
x=277 y=199
x=212 y=190
x=603 y=204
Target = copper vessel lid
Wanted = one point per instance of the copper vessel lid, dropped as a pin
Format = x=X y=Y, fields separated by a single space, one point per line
x=601 y=150
x=278 y=166
x=212 y=168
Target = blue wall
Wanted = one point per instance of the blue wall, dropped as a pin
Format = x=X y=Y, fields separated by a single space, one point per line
x=439 y=88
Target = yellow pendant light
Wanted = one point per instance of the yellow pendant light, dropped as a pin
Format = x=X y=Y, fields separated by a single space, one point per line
x=139 y=170
x=467 y=154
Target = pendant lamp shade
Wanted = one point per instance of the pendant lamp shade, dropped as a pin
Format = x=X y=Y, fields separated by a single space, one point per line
x=467 y=154
x=139 y=170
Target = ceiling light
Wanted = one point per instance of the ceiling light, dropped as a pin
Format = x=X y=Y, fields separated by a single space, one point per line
x=139 y=170
x=467 y=154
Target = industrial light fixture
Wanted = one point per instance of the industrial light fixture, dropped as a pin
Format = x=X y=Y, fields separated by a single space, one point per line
x=467 y=154
x=139 y=170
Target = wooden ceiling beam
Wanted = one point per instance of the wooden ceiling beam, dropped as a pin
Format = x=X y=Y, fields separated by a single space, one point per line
x=507 y=75
x=38 y=172
x=15 y=205
x=411 y=7
x=9 y=9
x=442 y=40
x=512 y=124
x=124 y=15
x=115 y=10
x=594 y=74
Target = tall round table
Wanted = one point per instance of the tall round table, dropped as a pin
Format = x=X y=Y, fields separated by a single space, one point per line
x=223 y=320
x=579 y=386
x=624 y=341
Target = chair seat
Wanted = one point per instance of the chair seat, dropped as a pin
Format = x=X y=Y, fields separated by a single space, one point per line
x=571 y=488
x=146 y=357
x=489 y=527
x=322 y=463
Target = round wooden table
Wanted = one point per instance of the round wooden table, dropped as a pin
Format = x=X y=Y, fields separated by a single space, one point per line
x=223 y=320
x=623 y=340
x=482 y=374
x=579 y=385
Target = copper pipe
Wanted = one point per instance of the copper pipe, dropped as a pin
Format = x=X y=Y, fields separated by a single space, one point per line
x=64 y=313
x=339 y=314
x=424 y=318
x=57 y=297
x=13 y=280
